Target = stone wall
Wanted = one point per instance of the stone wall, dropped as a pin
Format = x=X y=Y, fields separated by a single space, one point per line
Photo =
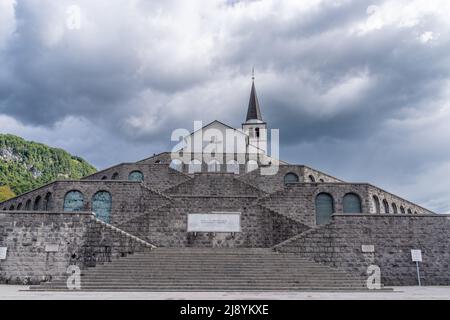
x=297 y=200
x=77 y=239
x=167 y=226
x=158 y=176
x=282 y=227
x=271 y=183
x=29 y=198
x=313 y=175
x=129 y=199
x=394 y=202
x=214 y=184
x=339 y=244
x=163 y=157
x=275 y=182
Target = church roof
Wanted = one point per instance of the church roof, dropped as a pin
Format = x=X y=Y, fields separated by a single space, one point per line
x=253 y=113
x=219 y=123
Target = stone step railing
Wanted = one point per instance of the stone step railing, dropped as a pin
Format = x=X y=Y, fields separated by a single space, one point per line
x=123 y=233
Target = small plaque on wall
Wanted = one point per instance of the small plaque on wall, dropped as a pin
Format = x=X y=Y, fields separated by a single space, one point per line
x=368 y=248
x=51 y=247
x=214 y=222
x=3 y=251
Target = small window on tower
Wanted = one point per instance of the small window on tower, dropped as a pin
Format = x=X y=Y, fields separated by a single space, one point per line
x=257 y=132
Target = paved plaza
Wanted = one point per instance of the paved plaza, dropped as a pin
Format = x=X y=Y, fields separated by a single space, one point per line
x=399 y=293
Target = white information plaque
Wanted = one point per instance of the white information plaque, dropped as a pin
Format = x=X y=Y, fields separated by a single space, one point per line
x=51 y=247
x=368 y=248
x=416 y=255
x=214 y=222
x=3 y=251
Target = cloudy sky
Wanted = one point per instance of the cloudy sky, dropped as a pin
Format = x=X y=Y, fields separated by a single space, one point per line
x=359 y=89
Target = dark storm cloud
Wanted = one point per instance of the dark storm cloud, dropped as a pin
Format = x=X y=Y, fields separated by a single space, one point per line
x=357 y=90
x=53 y=81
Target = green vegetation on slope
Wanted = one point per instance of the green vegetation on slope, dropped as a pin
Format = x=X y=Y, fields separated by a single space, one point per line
x=6 y=193
x=28 y=165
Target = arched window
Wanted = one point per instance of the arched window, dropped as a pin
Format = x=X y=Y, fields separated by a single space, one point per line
x=195 y=166
x=104 y=178
x=37 y=204
x=48 y=202
x=28 y=205
x=158 y=161
x=321 y=180
x=409 y=211
x=402 y=209
x=136 y=176
x=376 y=202
x=291 y=178
x=324 y=208
x=257 y=132
x=101 y=205
x=115 y=176
x=73 y=201
x=386 y=206
x=415 y=212
x=233 y=167
x=214 y=166
x=252 y=165
x=19 y=206
x=311 y=178
x=352 y=203
x=176 y=164
x=394 y=208
x=11 y=208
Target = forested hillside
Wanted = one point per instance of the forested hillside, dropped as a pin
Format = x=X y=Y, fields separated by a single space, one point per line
x=26 y=165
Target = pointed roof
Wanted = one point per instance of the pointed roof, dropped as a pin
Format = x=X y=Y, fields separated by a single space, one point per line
x=253 y=113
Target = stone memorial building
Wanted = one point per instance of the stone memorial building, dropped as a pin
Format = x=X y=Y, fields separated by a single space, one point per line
x=229 y=219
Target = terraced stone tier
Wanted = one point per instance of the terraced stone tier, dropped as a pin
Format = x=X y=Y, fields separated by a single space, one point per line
x=211 y=269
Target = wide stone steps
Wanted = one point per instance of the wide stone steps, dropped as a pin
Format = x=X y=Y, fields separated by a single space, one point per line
x=206 y=266
x=208 y=281
x=211 y=269
x=204 y=289
x=269 y=273
x=288 y=281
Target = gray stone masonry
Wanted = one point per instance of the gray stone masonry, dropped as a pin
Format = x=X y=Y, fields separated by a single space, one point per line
x=339 y=244
x=273 y=183
x=79 y=238
x=158 y=176
x=272 y=211
x=214 y=184
x=298 y=200
x=160 y=179
x=167 y=225
x=129 y=199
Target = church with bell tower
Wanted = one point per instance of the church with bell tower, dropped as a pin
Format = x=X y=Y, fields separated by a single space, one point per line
x=218 y=147
x=178 y=220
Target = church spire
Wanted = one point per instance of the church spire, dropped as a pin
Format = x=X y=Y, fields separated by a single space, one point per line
x=253 y=113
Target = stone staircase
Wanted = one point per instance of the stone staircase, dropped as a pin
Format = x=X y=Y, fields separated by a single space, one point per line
x=211 y=269
x=214 y=184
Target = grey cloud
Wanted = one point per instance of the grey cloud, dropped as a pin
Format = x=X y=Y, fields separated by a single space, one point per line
x=136 y=71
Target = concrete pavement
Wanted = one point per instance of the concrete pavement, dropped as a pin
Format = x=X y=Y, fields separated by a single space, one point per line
x=10 y=292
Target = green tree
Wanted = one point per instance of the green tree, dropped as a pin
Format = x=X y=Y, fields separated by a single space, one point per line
x=26 y=165
x=6 y=193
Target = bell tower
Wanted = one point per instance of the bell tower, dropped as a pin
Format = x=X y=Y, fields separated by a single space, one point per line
x=254 y=126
